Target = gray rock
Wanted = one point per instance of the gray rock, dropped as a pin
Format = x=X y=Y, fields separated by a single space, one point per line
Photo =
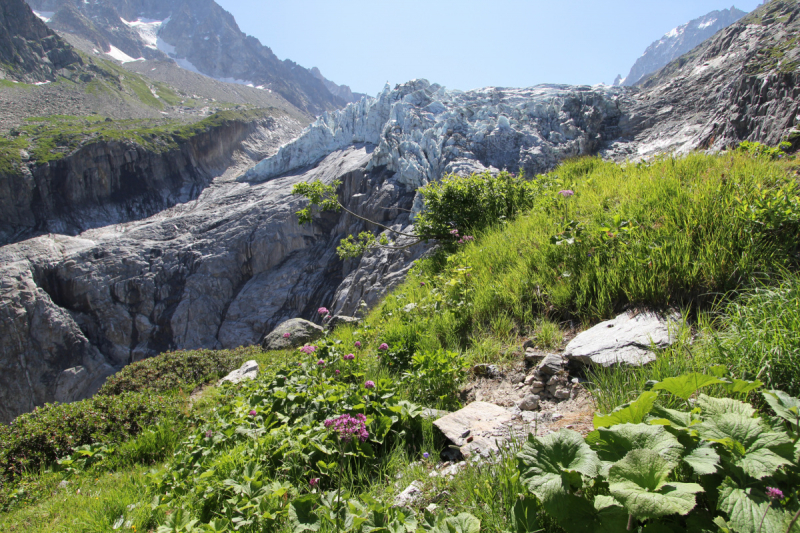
x=474 y=419
x=433 y=414
x=562 y=393
x=409 y=496
x=341 y=320
x=249 y=370
x=624 y=340
x=485 y=370
x=551 y=364
x=529 y=402
x=533 y=357
x=300 y=332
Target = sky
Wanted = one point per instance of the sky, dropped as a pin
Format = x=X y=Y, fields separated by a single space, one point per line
x=469 y=43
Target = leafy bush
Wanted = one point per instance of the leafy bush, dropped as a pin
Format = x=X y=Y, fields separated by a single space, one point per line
x=716 y=464
x=473 y=203
x=435 y=378
x=54 y=431
x=183 y=370
x=762 y=150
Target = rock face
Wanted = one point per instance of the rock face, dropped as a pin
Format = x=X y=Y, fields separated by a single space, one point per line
x=627 y=340
x=342 y=91
x=29 y=51
x=473 y=428
x=248 y=370
x=292 y=334
x=679 y=41
x=741 y=84
x=199 y=35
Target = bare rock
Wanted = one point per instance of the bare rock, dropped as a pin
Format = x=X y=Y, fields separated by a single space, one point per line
x=551 y=364
x=249 y=370
x=624 y=340
x=341 y=320
x=409 y=496
x=473 y=427
x=529 y=403
x=299 y=332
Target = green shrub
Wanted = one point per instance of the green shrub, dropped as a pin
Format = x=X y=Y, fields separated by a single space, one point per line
x=713 y=465
x=53 y=431
x=434 y=378
x=183 y=370
x=472 y=203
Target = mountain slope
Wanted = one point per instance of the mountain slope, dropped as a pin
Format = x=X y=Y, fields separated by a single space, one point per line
x=678 y=41
x=199 y=35
x=29 y=50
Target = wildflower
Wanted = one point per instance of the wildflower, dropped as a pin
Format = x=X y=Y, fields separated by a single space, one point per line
x=454 y=232
x=383 y=346
x=337 y=371
x=287 y=335
x=426 y=455
x=774 y=494
x=358 y=344
x=320 y=362
x=253 y=412
x=314 y=481
x=369 y=384
x=209 y=434
x=349 y=426
x=566 y=193
x=421 y=283
x=349 y=357
x=308 y=349
x=322 y=311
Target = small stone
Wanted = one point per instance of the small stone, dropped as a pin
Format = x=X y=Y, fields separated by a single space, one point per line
x=529 y=402
x=488 y=371
x=517 y=377
x=537 y=386
x=555 y=417
x=561 y=393
x=529 y=379
x=409 y=496
x=551 y=364
x=249 y=370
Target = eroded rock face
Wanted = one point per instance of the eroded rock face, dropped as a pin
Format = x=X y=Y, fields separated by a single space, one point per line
x=292 y=334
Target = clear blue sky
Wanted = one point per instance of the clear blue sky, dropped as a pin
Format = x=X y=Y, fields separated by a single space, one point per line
x=469 y=43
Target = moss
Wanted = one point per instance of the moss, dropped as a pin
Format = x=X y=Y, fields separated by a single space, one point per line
x=10 y=157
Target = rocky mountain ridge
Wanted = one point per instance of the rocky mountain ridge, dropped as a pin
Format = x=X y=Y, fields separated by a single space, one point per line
x=223 y=269
x=679 y=41
x=199 y=36
x=29 y=51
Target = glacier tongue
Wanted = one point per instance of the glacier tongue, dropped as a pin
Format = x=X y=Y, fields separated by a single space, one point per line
x=423 y=131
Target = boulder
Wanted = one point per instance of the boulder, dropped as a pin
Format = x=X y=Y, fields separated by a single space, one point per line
x=550 y=365
x=249 y=370
x=626 y=339
x=300 y=332
x=529 y=403
x=475 y=427
x=409 y=496
x=341 y=320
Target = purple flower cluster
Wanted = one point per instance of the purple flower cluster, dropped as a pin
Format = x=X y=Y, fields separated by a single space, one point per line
x=209 y=434
x=349 y=426
x=320 y=362
x=566 y=193
x=287 y=335
x=383 y=347
x=465 y=239
x=314 y=481
x=323 y=311
x=358 y=344
x=253 y=412
x=454 y=232
x=774 y=494
x=369 y=384
x=349 y=357
x=308 y=349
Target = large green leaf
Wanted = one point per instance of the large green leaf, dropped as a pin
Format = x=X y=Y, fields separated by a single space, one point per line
x=615 y=442
x=716 y=406
x=556 y=457
x=740 y=386
x=686 y=385
x=462 y=523
x=525 y=516
x=754 y=448
x=703 y=459
x=785 y=406
x=633 y=413
x=301 y=514
x=640 y=483
x=746 y=508
x=678 y=419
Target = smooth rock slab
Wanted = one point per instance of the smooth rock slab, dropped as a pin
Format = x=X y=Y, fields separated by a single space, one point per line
x=409 y=496
x=300 y=332
x=249 y=370
x=626 y=339
x=473 y=427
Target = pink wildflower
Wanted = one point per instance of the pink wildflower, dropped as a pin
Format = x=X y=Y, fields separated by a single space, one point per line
x=314 y=481
x=454 y=232
x=774 y=494
x=566 y=193
x=337 y=371
x=369 y=384
x=308 y=349
x=320 y=362
x=322 y=311
x=253 y=413
x=358 y=344
x=421 y=283
x=287 y=335
x=349 y=357
x=349 y=426
x=383 y=346
x=209 y=434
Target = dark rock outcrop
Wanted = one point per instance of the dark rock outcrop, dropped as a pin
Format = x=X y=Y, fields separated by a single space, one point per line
x=29 y=50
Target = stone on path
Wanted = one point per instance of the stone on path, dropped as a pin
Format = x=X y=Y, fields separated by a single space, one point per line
x=409 y=496
x=625 y=339
x=249 y=370
x=300 y=332
x=475 y=427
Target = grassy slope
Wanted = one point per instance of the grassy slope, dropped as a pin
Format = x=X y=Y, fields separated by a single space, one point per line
x=674 y=233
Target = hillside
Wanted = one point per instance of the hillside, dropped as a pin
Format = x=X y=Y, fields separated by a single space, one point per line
x=677 y=42
x=199 y=36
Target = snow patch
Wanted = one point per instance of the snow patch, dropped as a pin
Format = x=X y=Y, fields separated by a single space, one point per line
x=121 y=56
x=147 y=30
x=44 y=15
x=675 y=32
x=707 y=24
x=42 y=82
